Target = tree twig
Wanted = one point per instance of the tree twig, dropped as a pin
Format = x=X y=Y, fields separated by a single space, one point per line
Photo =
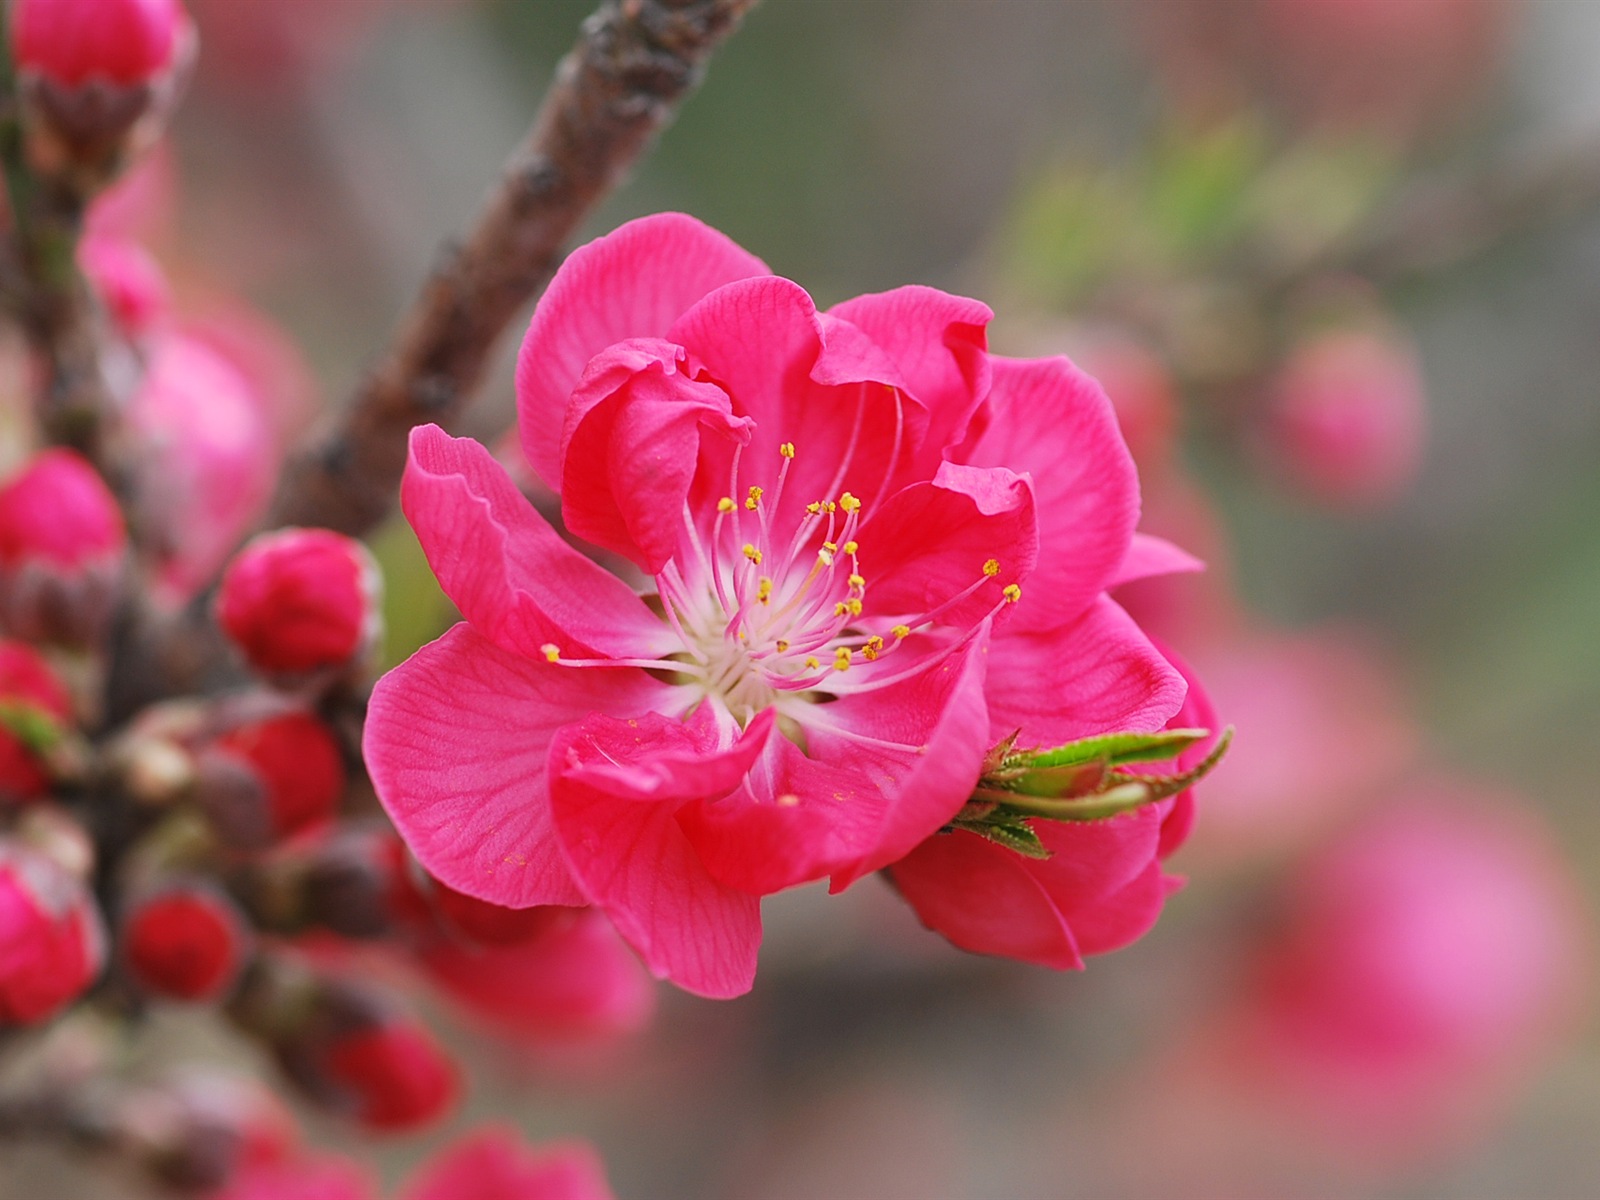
x=622 y=83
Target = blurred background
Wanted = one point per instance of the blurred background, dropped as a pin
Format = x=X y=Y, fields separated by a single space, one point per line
x=1337 y=263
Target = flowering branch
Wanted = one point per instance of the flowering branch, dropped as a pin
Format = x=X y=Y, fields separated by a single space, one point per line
x=620 y=85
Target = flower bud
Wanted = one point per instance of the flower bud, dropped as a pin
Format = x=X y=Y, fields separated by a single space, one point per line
x=270 y=778
x=33 y=706
x=97 y=78
x=1346 y=418
x=297 y=601
x=358 y=1054
x=51 y=942
x=62 y=541
x=185 y=941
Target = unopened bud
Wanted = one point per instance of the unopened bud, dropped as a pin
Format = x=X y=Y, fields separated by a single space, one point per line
x=205 y=1127
x=270 y=778
x=58 y=835
x=185 y=941
x=298 y=601
x=97 y=78
x=62 y=542
x=52 y=944
x=34 y=711
x=361 y=1056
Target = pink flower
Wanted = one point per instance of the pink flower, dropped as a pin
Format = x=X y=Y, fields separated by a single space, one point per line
x=870 y=550
x=495 y=1164
x=1347 y=417
x=1417 y=968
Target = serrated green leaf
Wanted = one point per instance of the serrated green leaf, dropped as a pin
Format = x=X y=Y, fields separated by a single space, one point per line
x=1162 y=786
x=1013 y=835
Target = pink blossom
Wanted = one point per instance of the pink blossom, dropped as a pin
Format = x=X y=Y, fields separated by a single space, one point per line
x=1419 y=965
x=1347 y=417
x=52 y=944
x=494 y=1163
x=75 y=41
x=870 y=548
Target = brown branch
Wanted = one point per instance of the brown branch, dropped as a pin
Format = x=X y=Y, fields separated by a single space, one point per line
x=48 y=294
x=634 y=63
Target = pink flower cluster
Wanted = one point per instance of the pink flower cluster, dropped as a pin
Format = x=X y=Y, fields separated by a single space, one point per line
x=854 y=552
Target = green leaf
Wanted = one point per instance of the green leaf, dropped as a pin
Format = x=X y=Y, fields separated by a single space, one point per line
x=1162 y=786
x=1013 y=835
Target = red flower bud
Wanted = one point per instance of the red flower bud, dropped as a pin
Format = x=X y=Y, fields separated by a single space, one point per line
x=61 y=547
x=185 y=942
x=74 y=41
x=391 y=1073
x=271 y=778
x=33 y=703
x=206 y=1127
x=51 y=942
x=300 y=600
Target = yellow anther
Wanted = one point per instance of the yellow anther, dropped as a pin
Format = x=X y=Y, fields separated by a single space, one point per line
x=551 y=651
x=743 y=637
x=840 y=609
x=857 y=581
x=854 y=605
x=1012 y=593
x=782 y=646
x=992 y=568
x=849 y=503
x=752 y=553
x=811 y=662
x=814 y=507
x=764 y=590
x=787 y=449
x=841 y=659
x=851 y=547
x=830 y=547
x=871 y=649
x=828 y=506
x=725 y=504
x=753 y=500
x=901 y=631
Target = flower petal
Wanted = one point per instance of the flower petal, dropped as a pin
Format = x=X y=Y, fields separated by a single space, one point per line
x=805 y=379
x=633 y=282
x=456 y=741
x=616 y=792
x=1098 y=674
x=931 y=541
x=493 y=1163
x=982 y=898
x=938 y=342
x=630 y=447
x=1104 y=877
x=846 y=806
x=1149 y=557
x=1047 y=417
x=508 y=572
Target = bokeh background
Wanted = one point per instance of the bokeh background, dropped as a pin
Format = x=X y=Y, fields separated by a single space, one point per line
x=1338 y=265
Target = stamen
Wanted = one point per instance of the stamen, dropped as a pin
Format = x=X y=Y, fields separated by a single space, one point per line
x=841 y=659
x=752 y=501
x=901 y=631
x=551 y=651
x=787 y=449
x=764 y=590
x=992 y=568
x=1012 y=593
x=752 y=553
x=849 y=503
x=725 y=505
